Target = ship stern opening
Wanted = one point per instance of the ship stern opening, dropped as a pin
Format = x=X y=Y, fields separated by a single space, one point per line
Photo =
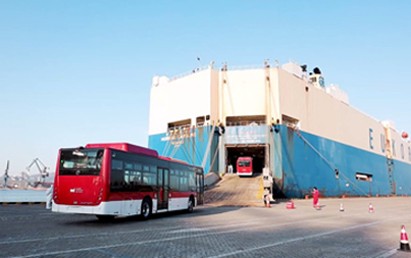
x=255 y=151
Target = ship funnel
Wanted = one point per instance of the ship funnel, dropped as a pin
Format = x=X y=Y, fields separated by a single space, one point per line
x=316 y=78
x=317 y=70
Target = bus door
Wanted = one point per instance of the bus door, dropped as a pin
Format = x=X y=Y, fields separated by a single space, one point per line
x=163 y=180
x=200 y=187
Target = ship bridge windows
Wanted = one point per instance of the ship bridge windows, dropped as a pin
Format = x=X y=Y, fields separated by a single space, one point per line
x=360 y=176
x=245 y=120
x=202 y=120
x=182 y=124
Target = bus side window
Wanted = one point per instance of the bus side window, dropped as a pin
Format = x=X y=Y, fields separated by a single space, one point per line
x=192 y=182
x=174 y=182
x=116 y=180
x=128 y=175
x=137 y=177
x=149 y=178
x=117 y=175
x=183 y=181
x=138 y=168
x=117 y=164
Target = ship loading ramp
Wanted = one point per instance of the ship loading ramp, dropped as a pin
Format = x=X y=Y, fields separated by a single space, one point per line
x=233 y=190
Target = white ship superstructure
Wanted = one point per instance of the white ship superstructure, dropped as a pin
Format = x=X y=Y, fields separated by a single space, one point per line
x=303 y=133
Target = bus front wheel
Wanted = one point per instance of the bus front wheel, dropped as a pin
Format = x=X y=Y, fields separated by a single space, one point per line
x=146 y=209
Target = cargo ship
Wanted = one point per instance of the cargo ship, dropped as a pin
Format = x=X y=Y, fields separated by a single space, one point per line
x=300 y=133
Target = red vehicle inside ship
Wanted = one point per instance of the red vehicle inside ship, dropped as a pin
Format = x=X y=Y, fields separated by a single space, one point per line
x=245 y=166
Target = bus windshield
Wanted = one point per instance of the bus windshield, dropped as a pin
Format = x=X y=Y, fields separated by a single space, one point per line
x=244 y=163
x=80 y=161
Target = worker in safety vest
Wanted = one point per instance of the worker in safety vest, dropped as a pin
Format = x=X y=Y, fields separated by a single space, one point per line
x=316 y=195
x=267 y=198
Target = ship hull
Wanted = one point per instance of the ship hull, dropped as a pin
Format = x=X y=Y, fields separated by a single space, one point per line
x=300 y=161
x=336 y=169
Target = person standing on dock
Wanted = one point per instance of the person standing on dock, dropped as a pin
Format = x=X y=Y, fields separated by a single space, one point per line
x=266 y=198
x=316 y=195
x=230 y=169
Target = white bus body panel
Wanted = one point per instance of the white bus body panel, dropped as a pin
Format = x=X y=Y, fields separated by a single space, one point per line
x=120 y=208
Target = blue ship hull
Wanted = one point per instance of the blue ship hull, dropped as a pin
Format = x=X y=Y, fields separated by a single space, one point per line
x=300 y=161
x=310 y=160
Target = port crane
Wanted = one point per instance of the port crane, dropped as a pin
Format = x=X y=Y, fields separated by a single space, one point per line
x=41 y=167
x=6 y=174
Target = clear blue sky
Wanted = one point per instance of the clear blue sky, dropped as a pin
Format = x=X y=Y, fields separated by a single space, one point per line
x=75 y=72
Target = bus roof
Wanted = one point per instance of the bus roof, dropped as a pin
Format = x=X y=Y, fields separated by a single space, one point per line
x=125 y=147
x=244 y=158
x=173 y=160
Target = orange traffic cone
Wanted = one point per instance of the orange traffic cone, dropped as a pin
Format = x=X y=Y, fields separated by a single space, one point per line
x=290 y=205
x=370 y=208
x=404 y=245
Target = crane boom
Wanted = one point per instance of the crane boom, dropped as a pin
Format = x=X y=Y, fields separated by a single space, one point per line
x=43 y=171
x=6 y=172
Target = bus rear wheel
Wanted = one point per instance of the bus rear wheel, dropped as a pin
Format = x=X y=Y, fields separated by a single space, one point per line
x=146 y=209
x=190 y=206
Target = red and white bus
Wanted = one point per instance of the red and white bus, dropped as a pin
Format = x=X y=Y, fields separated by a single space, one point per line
x=121 y=179
x=245 y=166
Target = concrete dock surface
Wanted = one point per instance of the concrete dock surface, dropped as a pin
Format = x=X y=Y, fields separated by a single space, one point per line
x=215 y=231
